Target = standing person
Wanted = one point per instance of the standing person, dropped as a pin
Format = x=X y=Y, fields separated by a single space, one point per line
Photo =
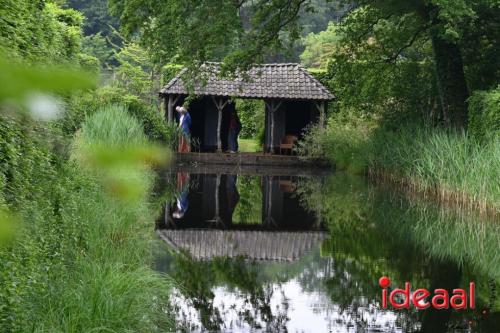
x=233 y=132
x=185 y=126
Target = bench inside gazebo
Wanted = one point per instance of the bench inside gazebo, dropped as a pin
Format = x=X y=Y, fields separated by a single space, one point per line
x=293 y=99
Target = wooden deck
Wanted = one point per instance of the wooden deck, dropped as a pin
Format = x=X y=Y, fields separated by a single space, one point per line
x=251 y=159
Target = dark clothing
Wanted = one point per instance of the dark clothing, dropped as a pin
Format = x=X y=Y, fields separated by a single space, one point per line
x=233 y=132
x=232 y=140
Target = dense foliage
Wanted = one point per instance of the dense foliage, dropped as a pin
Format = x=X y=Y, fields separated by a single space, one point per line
x=40 y=31
x=74 y=228
x=74 y=233
x=320 y=47
x=485 y=114
x=390 y=38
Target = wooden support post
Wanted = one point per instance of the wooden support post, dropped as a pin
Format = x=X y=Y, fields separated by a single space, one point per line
x=269 y=220
x=220 y=104
x=325 y=112
x=219 y=125
x=272 y=106
x=321 y=106
x=164 y=107
x=217 y=219
x=170 y=107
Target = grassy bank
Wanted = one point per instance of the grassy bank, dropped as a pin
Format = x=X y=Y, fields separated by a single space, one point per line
x=81 y=259
x=451 y=166
x=248 y=145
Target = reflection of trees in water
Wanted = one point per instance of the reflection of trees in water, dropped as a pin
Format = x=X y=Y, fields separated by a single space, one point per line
x=249 y=208
x=198 y=279
x=376 y=232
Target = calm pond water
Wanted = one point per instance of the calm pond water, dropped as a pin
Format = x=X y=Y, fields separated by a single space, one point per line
x=271 y=253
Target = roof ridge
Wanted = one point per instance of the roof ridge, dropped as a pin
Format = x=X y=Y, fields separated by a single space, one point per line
x=218 y=63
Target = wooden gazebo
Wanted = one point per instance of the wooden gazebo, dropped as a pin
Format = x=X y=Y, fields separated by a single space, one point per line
x=293 y=99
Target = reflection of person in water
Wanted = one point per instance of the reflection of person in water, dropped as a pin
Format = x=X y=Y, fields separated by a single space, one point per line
x=182 y=202
x=229 y=197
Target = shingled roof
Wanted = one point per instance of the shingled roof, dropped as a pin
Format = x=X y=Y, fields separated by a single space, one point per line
x=283 y=81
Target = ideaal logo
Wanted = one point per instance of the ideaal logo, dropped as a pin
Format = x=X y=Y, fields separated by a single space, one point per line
x=422 y=298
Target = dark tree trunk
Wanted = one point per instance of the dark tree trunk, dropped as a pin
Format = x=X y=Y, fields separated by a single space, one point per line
x=451 y=82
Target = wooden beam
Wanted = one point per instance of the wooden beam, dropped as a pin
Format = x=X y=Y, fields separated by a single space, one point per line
x=321 y=106
x=325 y=113
x=172 y=101
x=269 y=220
x=166 y=105
x=272 y=106
x=217 y=219
x=170 y=108
x=219 y=104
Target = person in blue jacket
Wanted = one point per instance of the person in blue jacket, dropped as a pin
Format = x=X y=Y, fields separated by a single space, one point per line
x=185 y=126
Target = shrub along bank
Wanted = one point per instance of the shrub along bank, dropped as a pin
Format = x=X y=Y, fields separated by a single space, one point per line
x=85 y=104
x=80 y=260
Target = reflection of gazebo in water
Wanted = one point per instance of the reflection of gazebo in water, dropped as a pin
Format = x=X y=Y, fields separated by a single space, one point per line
x=293 y=99
x=205 y=244
x=284 y=232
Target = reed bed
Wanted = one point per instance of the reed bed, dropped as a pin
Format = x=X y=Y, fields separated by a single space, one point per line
x=448 y=166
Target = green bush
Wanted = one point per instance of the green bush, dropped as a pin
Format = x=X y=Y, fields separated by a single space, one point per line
x=484 y=113
x=153 y=122
x=345 y=141
x=85 y=104
x=89 y=63
x=252 y=115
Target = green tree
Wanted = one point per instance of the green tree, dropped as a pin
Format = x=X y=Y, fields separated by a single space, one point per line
x=320 y=47
x=97 y=46
x=244 y=32
x=137 y=72
x=97 y=16
x=39 y=30
x=400 y=30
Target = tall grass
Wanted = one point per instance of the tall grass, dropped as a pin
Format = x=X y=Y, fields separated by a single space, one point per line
x=449 y=165
x=113 y=287
x=112 y=126
x=83 y=263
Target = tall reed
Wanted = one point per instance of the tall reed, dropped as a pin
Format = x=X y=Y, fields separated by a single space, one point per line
x=448 y=165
